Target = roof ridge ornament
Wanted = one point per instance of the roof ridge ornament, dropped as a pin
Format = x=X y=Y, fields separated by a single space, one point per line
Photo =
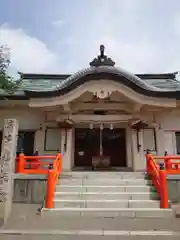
x=102 y=59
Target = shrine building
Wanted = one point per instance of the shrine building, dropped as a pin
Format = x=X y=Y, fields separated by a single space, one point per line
x=100 y=112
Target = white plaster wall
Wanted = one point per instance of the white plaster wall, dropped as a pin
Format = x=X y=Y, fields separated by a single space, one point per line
x=27 y=119
x=160 y=141
x=170 y=142
x=171 y=121
x=31 y=120
x=40 y=141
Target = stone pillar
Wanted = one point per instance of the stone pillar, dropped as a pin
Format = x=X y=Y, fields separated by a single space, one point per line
x=138 y=156
x=129 y=147
x=7 y=166
x=160 y=141
x=68 y=155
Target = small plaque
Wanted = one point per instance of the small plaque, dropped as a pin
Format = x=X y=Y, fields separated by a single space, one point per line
x=81 y=153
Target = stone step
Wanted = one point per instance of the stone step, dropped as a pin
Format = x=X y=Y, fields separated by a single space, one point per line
x=53 y=222
x=88 y=235
x=106 y=195
x=94 y=174
x=102 y=188
x=111 y=212
x=106 y=203
x=104 y=181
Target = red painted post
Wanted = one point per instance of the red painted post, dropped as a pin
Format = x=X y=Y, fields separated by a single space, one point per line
x=50 y=189
x=17 y=164
x=21 y=163
x=163 y=189
x=148 y=160
x=167 y=164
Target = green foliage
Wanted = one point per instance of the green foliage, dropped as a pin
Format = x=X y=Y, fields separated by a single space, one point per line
x=7 y=83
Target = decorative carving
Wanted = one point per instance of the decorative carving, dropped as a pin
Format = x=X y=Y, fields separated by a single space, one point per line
x=140 y=125
x=102 y=94
x=102 y=60
x=64 y=124
x=67 y=107
x=102 y=48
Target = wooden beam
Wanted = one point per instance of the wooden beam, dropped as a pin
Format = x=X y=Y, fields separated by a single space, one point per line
x=101 y=106
x=67 y=107
x=136 y=107
x=94 y=118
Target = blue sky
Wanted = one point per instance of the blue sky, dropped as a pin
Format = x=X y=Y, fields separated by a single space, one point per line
x=60 y=36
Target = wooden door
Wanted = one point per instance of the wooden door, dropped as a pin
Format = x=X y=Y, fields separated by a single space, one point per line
x=114 y=146
x=86 y=145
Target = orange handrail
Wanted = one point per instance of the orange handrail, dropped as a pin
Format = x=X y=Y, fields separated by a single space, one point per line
x=171 y=165
x=33 y=164
x=53 y=174
x=158 y=176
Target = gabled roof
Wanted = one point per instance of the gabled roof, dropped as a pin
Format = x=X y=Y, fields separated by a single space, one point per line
x=102 y=67
x=37 y=85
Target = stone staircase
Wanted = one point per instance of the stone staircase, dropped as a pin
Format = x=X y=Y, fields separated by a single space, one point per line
x=106 y=194
x=100 y=205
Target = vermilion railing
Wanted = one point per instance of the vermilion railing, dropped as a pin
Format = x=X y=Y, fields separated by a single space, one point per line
x=171 y=163
x=53 y=175
x=158 y=175
x=33 y=164
x=158 y=167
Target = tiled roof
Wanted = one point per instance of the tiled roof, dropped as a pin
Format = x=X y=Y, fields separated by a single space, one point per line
x=45 y=82
x=170 y=84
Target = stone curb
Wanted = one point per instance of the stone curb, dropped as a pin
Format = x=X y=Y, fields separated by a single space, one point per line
x=90 y=233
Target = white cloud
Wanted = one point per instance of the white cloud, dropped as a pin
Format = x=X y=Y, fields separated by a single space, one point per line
x=127 y=28
x=131 y=35
x=176 y=25
x=131 y=55
x=28 y=54
x=58 y=22
x=115 y=24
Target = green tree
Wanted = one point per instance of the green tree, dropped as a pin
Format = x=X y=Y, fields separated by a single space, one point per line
x=7 y=83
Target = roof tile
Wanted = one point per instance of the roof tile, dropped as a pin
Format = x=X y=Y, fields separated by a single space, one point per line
x=44 y=85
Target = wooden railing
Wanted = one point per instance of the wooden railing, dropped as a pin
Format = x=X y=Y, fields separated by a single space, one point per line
x=158 y=176
x=158 y=167
x=171 y=163
x=54 y=172
x=33 y=164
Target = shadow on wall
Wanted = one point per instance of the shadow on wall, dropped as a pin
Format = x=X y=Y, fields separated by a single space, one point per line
x=1 y=213
x=173 y=182
x=29 y=190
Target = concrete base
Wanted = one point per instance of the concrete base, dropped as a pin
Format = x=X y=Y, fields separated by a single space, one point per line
x=111 y=212
x=32 y=188
x=29 y=188
x=24 y=217
x=88 y=235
